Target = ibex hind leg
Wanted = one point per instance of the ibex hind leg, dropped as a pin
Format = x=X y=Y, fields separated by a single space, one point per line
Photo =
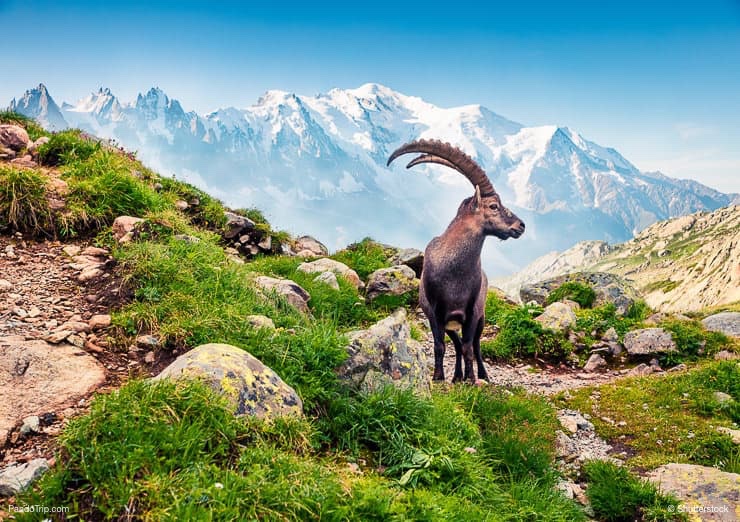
x=439 y=351
x=482 y=374
x=458 y=376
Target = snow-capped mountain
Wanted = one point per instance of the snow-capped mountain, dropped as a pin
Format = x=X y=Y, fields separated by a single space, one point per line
x=316 y=164
x=37 y=104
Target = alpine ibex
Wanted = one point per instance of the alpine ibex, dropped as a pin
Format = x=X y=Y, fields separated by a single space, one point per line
x=453 y=286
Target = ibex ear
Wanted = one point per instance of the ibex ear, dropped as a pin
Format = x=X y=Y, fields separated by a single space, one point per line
x=476 y=199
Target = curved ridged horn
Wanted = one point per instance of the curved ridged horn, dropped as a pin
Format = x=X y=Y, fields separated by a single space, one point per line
x=434 y=151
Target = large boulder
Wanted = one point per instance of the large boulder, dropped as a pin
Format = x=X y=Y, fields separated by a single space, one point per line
x=557 y=316
x=707 y=493
x=13 y=137
x=250 y=387
x=609 y=288
x=307 y=246
x=236 y=225
x=396 y=280
x=384 y=354
x=36 y=377
x=649 y=341
x=411 y=257
x=330 y=265
x=290 y=290
x=726 y=322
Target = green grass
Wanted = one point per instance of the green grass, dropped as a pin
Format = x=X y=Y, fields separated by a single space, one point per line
x=173 y=451
x=23 y=204
x=672 y=418
x=618 y=496
x=34 y=130
x=665 y=286
x=67 y=146
x=364 y=257
x=581 y=293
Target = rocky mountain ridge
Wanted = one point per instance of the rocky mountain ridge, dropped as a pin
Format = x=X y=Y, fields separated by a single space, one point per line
x=684 y=264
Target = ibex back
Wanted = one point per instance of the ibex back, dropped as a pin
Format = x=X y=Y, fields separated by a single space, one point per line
x=453 y=286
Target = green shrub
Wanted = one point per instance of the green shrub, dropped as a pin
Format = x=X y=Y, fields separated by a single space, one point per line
x=616 y=495
x=638 y=311
x=364 y=257
x=23 y=203
x=692 y=340
x=66 y=147
x=576 y=291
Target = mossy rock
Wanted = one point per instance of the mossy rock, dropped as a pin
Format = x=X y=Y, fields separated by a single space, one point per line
x=251 y=387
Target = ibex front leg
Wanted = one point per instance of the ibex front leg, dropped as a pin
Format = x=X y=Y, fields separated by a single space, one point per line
x=439 y=351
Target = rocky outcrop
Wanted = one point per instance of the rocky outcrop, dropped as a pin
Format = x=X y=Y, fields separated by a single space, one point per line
x=649 y=341
x=246 y=237
x=330 y=265
x=726 y=322
x=250 y=387
x=293 y=293
x=384 y=354
x=396 y=280
x=707 y=493
x=608 y=287
x=307 y=246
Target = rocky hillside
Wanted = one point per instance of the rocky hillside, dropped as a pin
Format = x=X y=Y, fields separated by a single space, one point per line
x=684 y=264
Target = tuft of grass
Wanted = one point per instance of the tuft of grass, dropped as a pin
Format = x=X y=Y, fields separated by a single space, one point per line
x=670 y=419
x=618 y=496
x=364 y=257
x=692 y=340
x=665 y=286
x=23 y=203
x=34 y=130
x=581 y=293
x=66 y=147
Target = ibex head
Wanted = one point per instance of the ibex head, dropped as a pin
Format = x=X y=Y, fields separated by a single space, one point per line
x=485 y=207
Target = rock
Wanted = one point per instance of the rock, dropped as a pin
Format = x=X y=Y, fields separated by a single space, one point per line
x=186 y=238
x=706 y=493
x=649 y=341
x=14 y=137
x=565 y=448
x=36 y=376
x=594 y=362
x=98 y=322
x=260 y=321
x=329 y=279
x=610 y=336
x=236 y=225
x=92 y=251
x=573 y=420
x=726 y=355
x=5 y=286
x=733 y=434
x=329 y=265
x=34 y=146
x=149 y=358
x=656 y=318
x=181 y=205
x=572 y=304
x=71 y=250
x=147 y=341
x=314 y=246
x=17 y=478
x=75 y=326
x=123 y=228
x=609 y=288
x=411 y=257
x=58 y=336
x=640 y=370
x=726 y=322
x=266 y=244
x=722 y=398
x=396 y=280
x=386 y=353
x=250 y=387
x=290 y=290
x=557 y=316
x=31 y=424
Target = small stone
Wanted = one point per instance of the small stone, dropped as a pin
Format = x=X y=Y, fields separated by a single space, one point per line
x=329 y=279
x=733 y=434
x=149 y=357
x=58 y=336
x=19 y=312
x=260 y=321
x=89 y=273
x=30 y=425
x=722 y=397
x=265 y=244
x=34 y=312
x=181 y=205
x=594 y=362
x=95 y=252
x=640 y=370
x=147 y=341
x=76 y=340
x=726 y=355
x=5 y=286
x=97 y=322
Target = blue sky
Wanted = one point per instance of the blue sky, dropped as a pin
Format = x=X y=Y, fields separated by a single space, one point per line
x=659 y=81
